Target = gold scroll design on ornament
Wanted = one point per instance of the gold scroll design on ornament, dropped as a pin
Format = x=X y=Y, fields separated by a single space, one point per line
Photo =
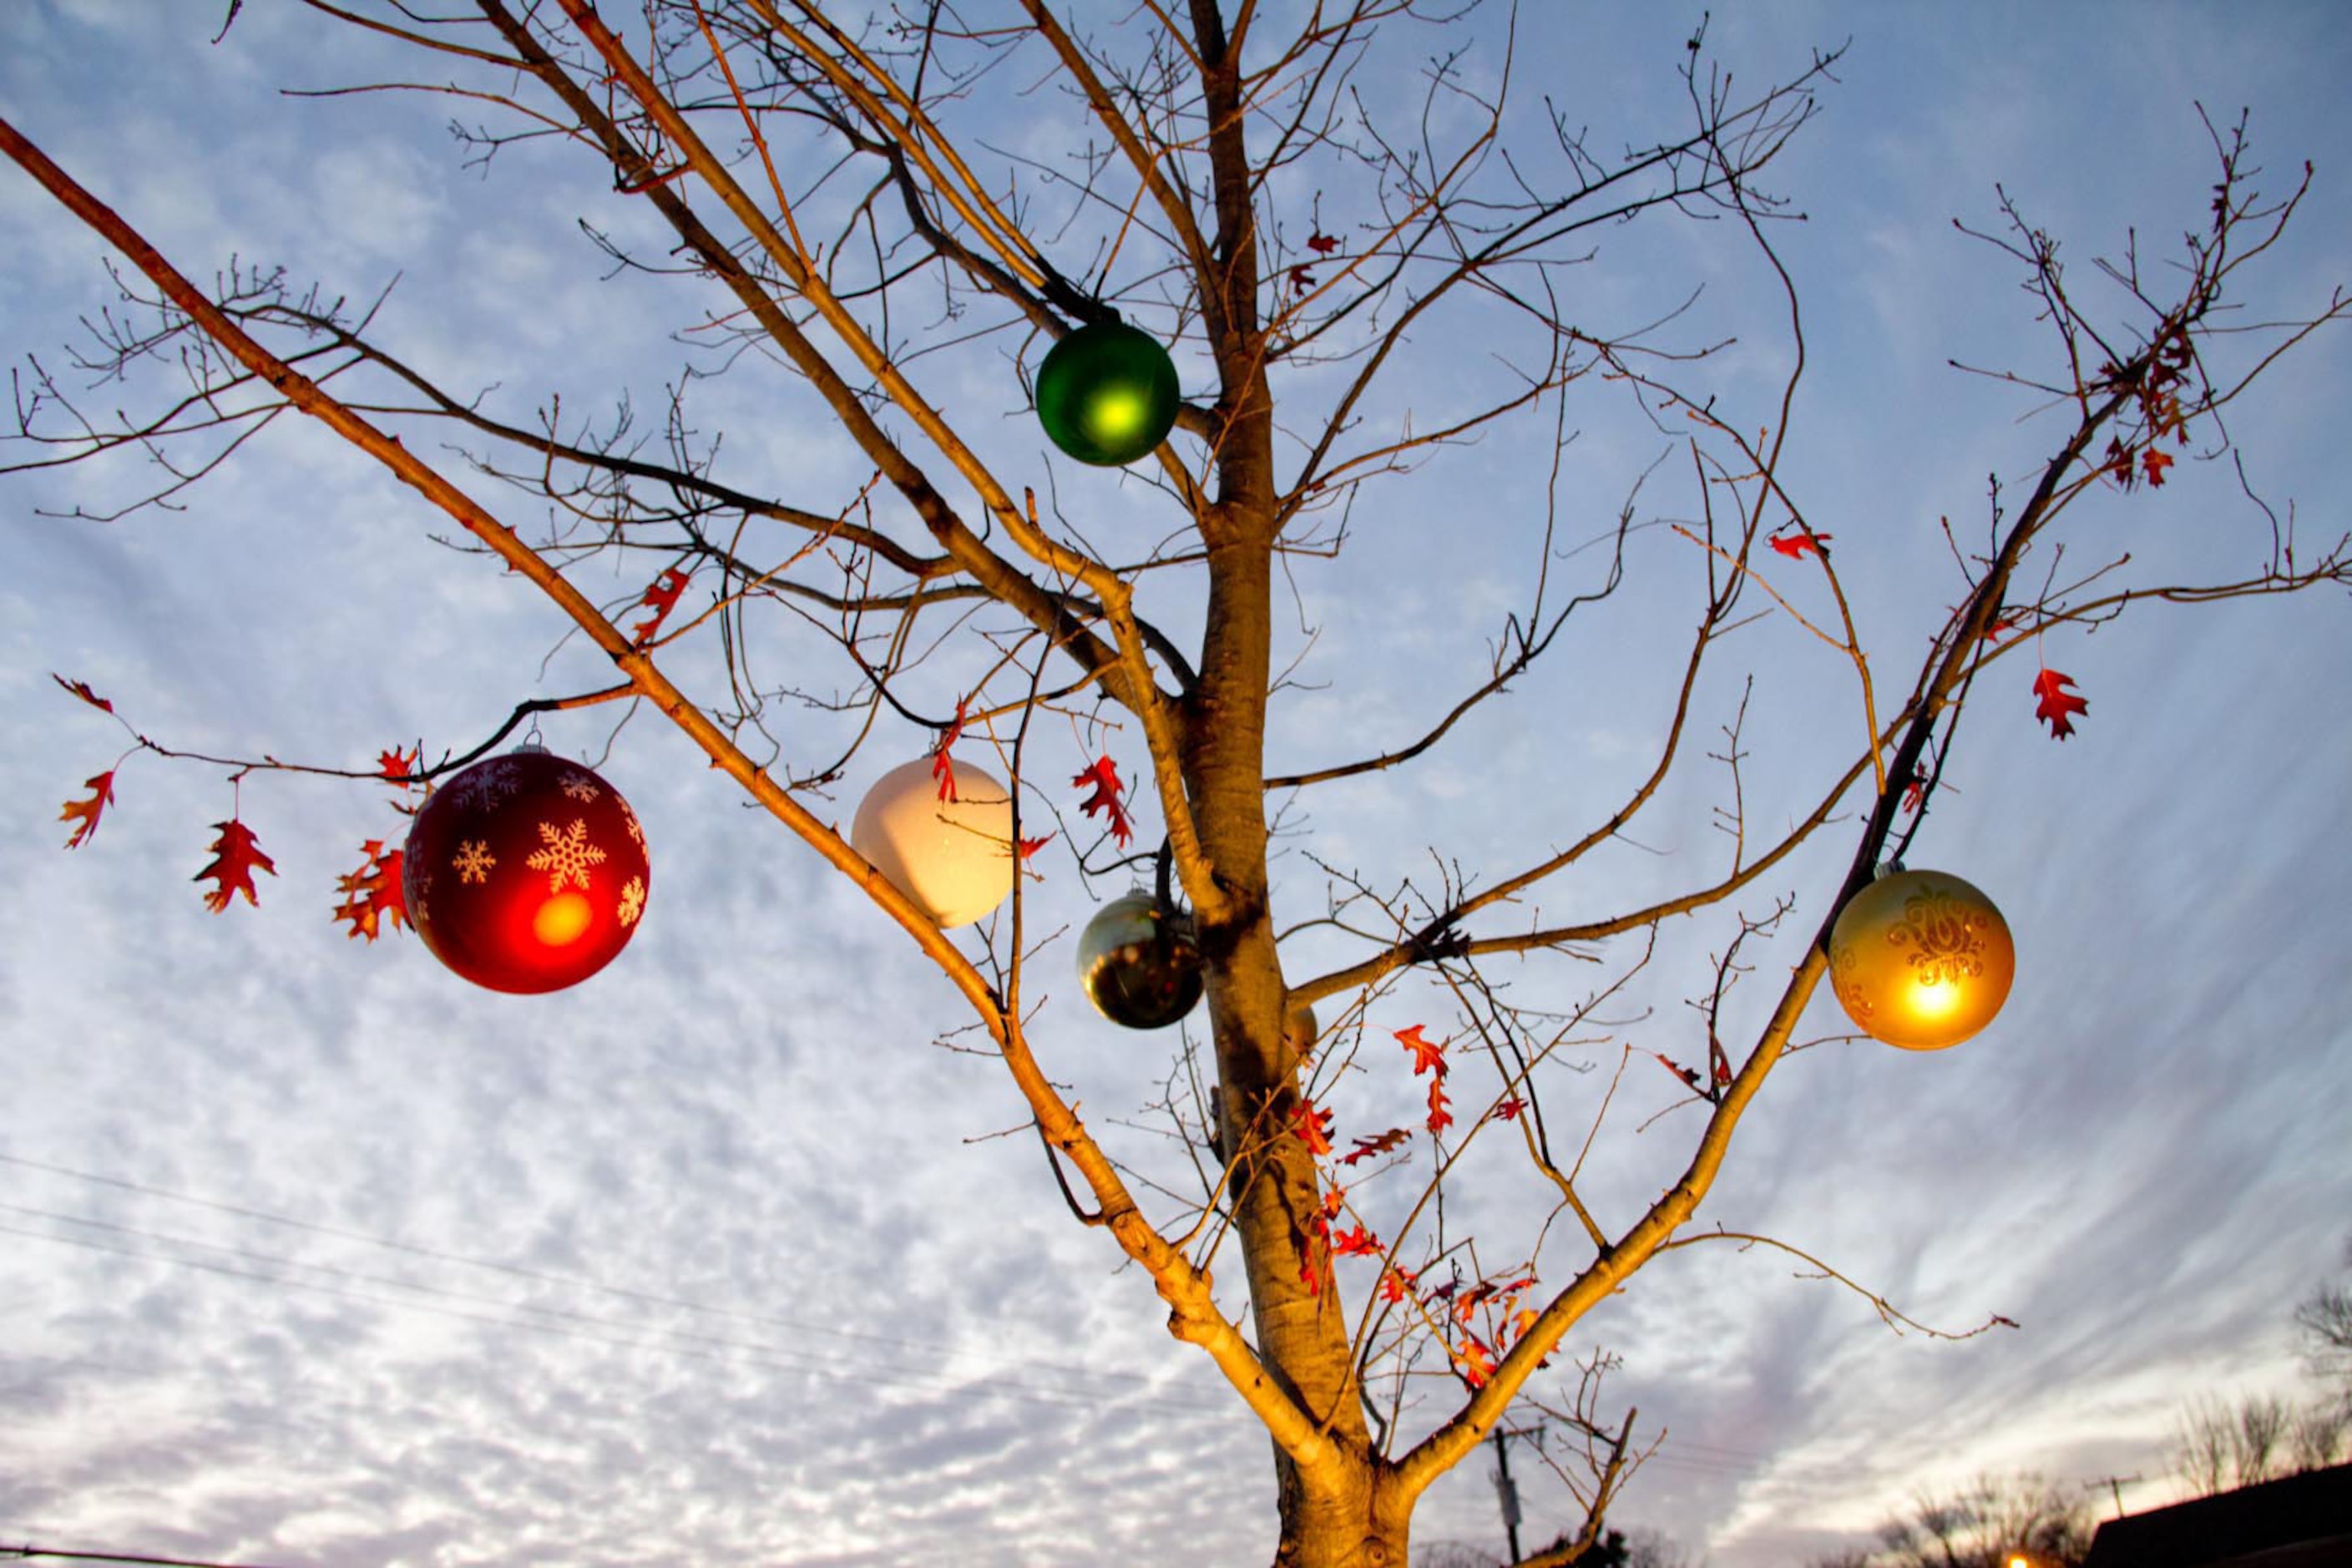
x=1941 y=935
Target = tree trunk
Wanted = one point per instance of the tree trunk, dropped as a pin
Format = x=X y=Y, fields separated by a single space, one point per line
x=1343 y=1513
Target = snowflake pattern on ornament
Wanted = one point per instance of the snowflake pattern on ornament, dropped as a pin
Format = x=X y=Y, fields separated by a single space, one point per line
x=473 y=861
x=632 y=900
x=568 y=855
x=630 y=817
x=577 y=786
x=484 y=784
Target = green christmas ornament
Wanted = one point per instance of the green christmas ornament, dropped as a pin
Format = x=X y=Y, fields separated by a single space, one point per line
x=1107 y=394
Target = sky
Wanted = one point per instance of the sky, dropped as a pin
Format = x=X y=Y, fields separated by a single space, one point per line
x=313 y=1255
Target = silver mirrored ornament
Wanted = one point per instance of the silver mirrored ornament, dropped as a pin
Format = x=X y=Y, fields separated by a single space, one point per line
x=1140 y=962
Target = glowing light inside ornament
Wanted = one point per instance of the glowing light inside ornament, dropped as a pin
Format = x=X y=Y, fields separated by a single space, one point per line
x=562 y=920
x=1921 y=959
x=952 y=858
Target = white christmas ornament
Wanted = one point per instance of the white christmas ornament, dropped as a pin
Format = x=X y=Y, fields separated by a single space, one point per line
x=952 y=858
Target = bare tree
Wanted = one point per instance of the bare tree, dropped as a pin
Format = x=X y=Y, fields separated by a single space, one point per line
x=2316 y=1439
x=2324 y=1322
x=2220 y=1446
x=832 y=193
x=1983 y=1524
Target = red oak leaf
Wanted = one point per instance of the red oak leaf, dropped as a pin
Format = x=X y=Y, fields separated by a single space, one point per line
x=1465 y=1306
x=372 y=895
x=1508 y=1109
x=1366 y=1147
x=2153 y=463
x=1796 y=545
x=101 y=796
x=1107 y=786
x=1301 y=279
x=1333 y=1199
x=1477 y=1361
x=662 y=595
x=1681 y=1071
x=942 y=769
x=1322 y=244
x=1425 y=1055
x=1393 y=1282
x=397 y=765
x=2002 y=625
x=1309 y=1274
x=1356 y=1243
x=2056 y=704
x=1313 y=1127
x=1915 y=794
x=1445 y=1292
x=82 y=690
x=2118 y=464
x=236 y=855
x=1440 y=1119
x=1029 y=846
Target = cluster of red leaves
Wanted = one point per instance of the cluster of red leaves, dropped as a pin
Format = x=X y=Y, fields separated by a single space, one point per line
x=2056 y=704
x=1429 y=1058
x=1108 y=789
x=1316 y=1245
x=2154 y=382
x=372 y=894
x=236 y=855
x=1313 y=1127
x=2127 y=463
x=1302 y=277
x=1475 y=1348
x=1475 y=1355
x=1798 y=545
x=662 y=595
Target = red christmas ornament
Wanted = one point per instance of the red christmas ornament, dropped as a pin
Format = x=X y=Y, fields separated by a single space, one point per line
x=525 y=873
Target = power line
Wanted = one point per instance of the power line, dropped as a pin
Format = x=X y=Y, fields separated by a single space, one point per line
x=23 y=1552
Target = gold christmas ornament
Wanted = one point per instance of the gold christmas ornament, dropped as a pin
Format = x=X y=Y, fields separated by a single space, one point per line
x=1921 y=959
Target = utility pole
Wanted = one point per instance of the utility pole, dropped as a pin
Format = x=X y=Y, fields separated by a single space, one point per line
x=1508 y=1490
x=2114 y=1484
